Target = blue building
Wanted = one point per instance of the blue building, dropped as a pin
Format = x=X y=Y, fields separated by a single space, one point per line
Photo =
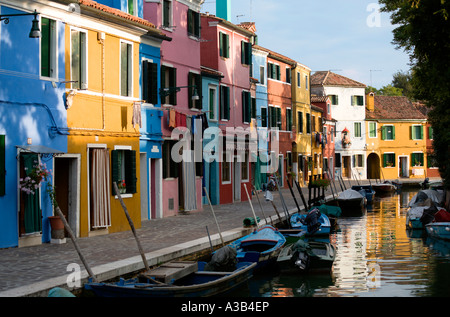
x=211 y=176
x=259 y=60
x=33 y=124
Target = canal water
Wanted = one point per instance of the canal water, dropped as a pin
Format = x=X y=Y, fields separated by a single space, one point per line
x=376 y=256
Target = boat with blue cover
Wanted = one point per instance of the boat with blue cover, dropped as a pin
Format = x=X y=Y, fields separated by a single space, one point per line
x=365 y=190
x=261 y=246
x=312 y=223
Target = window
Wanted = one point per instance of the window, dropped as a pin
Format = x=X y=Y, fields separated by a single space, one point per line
x=149 y=82
x=273 y=71
x=388 y=132
x=357 y=129
x=132 y=7
x=358 y=160
x=306 y=82
x=431 y=161
x=417 y=159
x=126 y=69
x=224 y=45
x=169 y=79
x=194 y=23
x=337 y=157
x=357 y=100
x=170 y=167
x=288 y=75
x=224 y=103
x=334 y=100
x=308 y=123
x=124 y=170
x=417 y=132
x=262 y=73
x=78 y=62
x=246 y=53
x=288 y=119
x=389 y=160
x=300 y=121
x=299 y=80
x=264 y=117
x=430 y=133
x=253 y=110
x=2 y=166
x=226 y=169
x=372 y=129
x=244 y=167
x=246 y=107
x=212 y=103
x=49 y=48
x=275 y=117
x=167 y=13
x=332 y=135
x=195 y=83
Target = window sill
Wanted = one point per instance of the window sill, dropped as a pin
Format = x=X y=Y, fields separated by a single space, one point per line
x=124 y=196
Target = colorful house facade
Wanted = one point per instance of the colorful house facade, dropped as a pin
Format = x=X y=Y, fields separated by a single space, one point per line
x=396 y=139
x=348 y=108
x=181 y=100
x=33 y=125
x=227 y=48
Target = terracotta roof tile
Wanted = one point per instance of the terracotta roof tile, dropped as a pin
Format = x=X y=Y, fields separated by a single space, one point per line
x=393 y=107
x=327 y=78
x=319 y=99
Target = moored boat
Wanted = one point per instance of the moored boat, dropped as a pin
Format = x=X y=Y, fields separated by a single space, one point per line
x=200 y=283
x=351 y=202
x=302 y=257
x=439 y=230
x=383 y=188
x=313 y=223
x=261 y=246
x=365 y=190
x=422 y=208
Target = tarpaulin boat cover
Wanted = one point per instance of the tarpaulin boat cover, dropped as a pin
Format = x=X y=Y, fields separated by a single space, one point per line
x=420 y=198
x=350 y=194
x=223 y=260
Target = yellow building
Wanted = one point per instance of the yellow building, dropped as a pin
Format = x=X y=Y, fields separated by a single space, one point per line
x=396 y=143
x=103 y=114
x=316 y=140
x=301 y=101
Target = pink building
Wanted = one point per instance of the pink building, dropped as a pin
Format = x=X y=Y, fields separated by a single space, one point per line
x=227 y=48
x=181 y=98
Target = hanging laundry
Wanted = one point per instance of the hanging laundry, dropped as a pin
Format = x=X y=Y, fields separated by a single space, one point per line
x=136 y=119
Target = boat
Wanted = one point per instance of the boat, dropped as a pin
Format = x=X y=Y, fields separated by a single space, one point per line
x=312 y=223
x=423 y=207
x=302 y=257
x=365 y=190
x=383 y=188
x=439 y=230
x=351 y=201
x=261 y=246
x=194 y=282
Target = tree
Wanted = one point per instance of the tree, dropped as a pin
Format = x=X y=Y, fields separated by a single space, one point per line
x=423 y=31
x=402 y=80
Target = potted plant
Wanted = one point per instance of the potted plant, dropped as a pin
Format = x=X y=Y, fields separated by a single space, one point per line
x=56 y=223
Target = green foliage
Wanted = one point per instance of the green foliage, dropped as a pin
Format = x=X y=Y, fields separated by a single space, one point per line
x=423 y=31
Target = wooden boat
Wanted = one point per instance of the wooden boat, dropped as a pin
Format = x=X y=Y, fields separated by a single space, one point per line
x=176 y=279
x=351 y=202
x=261 y=246
x=313 y=223
x=439 y=230
x=365 y=190
x=383 y=188
x=422 y=208
x=302 y=257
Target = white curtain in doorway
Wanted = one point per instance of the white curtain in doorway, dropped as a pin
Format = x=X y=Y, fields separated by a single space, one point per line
x=189 y=184
x=100 y=189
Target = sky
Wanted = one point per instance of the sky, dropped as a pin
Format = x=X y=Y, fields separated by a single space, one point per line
x=348 y=37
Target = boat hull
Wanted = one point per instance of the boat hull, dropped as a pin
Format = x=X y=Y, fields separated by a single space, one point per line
x=439 y=230
x=324 y=229
x=199 y=284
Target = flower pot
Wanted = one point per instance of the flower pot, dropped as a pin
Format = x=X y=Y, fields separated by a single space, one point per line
x=57 y=227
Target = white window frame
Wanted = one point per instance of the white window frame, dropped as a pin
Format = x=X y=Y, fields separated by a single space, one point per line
x=53 y=52
x=123 y=148
x=85 y=67
x=130 y=73
x=413 y=132
x=170 y=22
x=135 y=7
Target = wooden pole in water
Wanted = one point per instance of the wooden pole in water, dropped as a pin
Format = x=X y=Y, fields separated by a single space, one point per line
x=251 y=206
x=301 y=195
x=260 y=205
x=293 y=196
x=141 y=251
x=72 y=237
x=214 y=214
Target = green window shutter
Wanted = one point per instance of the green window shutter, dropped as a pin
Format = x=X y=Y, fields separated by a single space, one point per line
x=264 y=117
x=430 y=133
x=145 y=81
x=393 y=132
x=221 y=44
x=153 y=69
x=115 y=169
x=279 y=123
x=2 y=166
x=45 y=47
x=383 y=133
x=130 y=172
x=249 y=53
x=421 y=133
x=227 y=103
x=384 y=160
x=253 y=108
x=190 y=91
x=243 y=53
x=173 y=83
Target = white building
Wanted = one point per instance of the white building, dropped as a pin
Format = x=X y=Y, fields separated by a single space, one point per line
x=348 y=108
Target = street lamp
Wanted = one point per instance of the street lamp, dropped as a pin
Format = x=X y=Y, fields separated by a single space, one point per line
x=164 y=92
x=35 y=31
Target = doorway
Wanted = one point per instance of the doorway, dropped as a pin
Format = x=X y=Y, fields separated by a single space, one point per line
x=346 y=167
x=373 y=166
x=403 y=167
x=67 y=188
x=237 y=179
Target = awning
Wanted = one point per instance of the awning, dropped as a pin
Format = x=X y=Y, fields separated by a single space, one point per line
x=43 y=151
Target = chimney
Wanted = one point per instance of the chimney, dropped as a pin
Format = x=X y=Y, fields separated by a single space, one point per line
x=370 y=101
x=223 y=9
